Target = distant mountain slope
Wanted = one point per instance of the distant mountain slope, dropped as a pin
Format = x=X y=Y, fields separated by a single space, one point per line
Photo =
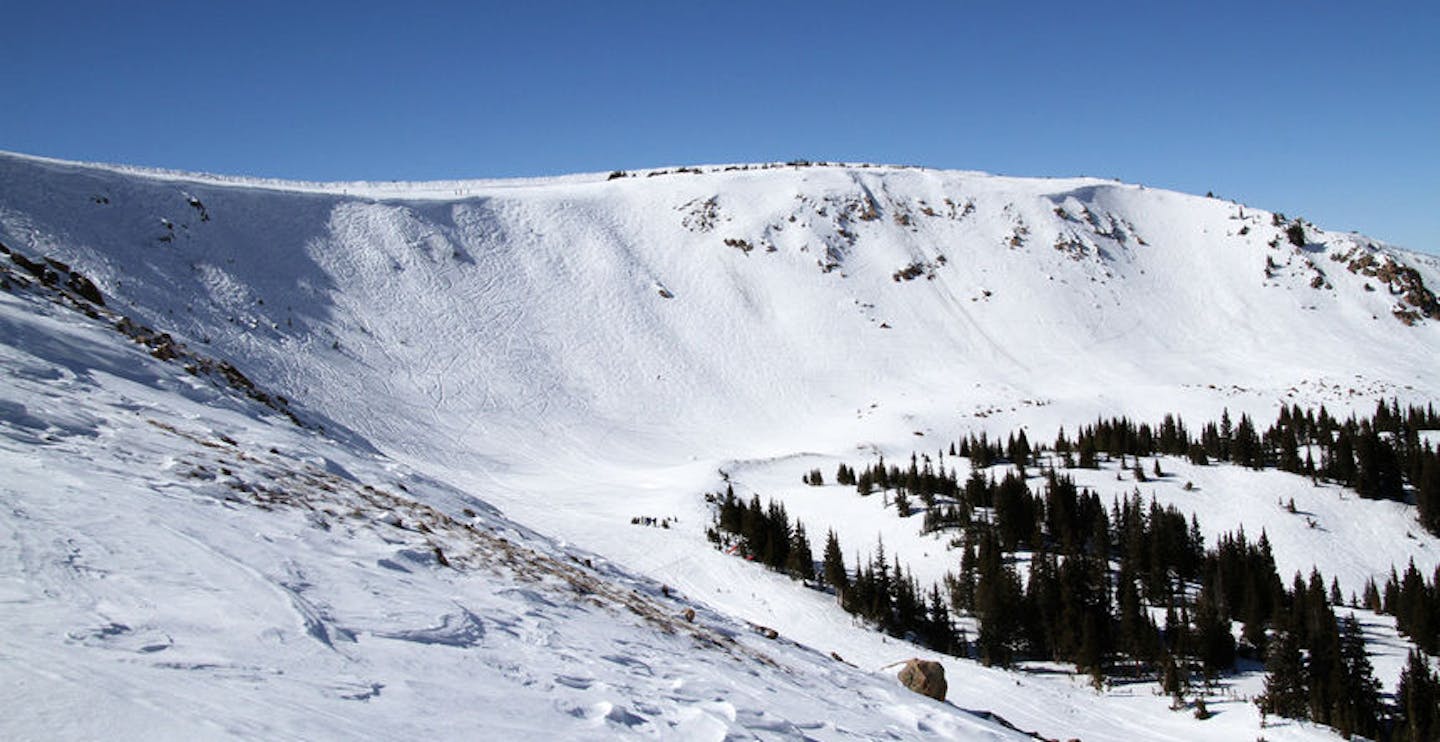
x=720 y=304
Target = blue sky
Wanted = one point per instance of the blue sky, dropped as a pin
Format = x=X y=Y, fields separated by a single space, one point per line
x=1329 y=111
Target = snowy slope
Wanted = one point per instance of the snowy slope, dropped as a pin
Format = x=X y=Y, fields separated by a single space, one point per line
x=504 y=317
x=177 y=563
x=582 y=350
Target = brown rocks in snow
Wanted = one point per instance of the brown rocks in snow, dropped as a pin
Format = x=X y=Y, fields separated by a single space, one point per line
x=924 y=677
x=765 y=631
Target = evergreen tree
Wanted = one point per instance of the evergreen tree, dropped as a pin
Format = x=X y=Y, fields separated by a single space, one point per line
x=1088 y=459
x=1371 y=600
x=1323 y=668
x=1245 y=447
x=1285 y=692
x=857 y=598
x=752 y=527
x=1427 y=492
x=1216 y=644
x=902 y=503
x=1042 y=606
x=1020 y=452
x=731 y=512
x=1136 y=632
x=1417 y=701
x=907 y=607
x=940 y=632
x=997 y=603
x=1416 y=607
x=775 y=537
x=881 y=595
x=834 y=566
x=1341 y=460
x=1359 y=698
x=800 y=563
x=962 y=592
x=1090 y=655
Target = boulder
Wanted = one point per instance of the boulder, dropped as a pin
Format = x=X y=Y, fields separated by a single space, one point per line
x=924 y=677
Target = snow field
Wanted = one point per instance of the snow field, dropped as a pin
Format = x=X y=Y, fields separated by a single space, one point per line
x=507 y=347
x=175 y=566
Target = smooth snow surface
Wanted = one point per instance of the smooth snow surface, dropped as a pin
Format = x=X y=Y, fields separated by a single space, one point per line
x=562 y=355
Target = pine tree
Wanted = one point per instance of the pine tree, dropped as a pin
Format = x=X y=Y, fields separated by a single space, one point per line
x=800 y=563
x=902 y=503
x=998 y=599
x=906 y=608
x=962 y=592
x=882 y=587
x=1342 y=460
x=1042 y=605
x=834 y=567
x=1359 y=696
x=1135 y=629
x=731 y=512
x=1414 y=610
x=775 y=537
x=1088 y=453
x=1285 y=692
x=1417 y=701
x=1427 y=492
x=940 y=633
x=857 y=598
x=1245 y=445
x=1212 y=628
x=752 y=527
x=1371 y=601
x=1323 y=667
x=1090 y=655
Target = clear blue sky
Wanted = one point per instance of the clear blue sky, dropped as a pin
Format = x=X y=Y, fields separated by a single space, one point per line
x=1326 y=110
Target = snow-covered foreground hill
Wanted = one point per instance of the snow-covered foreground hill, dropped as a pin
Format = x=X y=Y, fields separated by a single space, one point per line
x=178 y=564
x=561 y=356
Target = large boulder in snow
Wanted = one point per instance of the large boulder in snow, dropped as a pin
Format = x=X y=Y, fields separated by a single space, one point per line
x=924 y=677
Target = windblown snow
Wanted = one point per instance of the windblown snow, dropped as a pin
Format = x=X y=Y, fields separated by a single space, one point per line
x=493 y=378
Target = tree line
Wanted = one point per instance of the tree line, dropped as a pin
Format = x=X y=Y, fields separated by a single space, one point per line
x=1096 y=576
x=1377 y=456
x=883 y=593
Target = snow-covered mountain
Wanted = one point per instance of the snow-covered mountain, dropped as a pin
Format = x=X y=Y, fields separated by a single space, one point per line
x=471 y=361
